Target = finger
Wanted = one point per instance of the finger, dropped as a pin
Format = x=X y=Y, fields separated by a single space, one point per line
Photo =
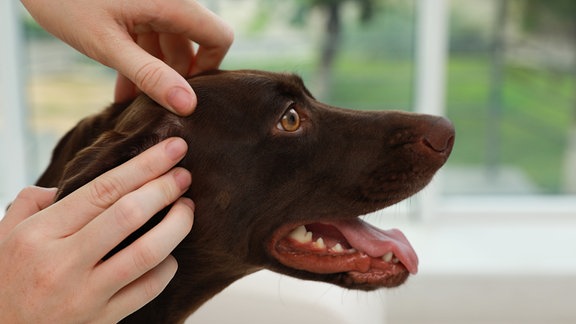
x=125 y=89
x=28 y=202
x=141 y=291
x=148 y=250
x=177 y=52
x=210 y=32
x=154 y=77
x=93 y=198
x=150 y=42
x=128 y=214
x=206 y=59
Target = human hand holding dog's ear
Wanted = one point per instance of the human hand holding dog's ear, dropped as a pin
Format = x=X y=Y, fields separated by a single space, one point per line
x=51 y=268
x=148 y=42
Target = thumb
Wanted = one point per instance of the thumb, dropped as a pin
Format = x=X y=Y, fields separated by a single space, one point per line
x=28 y=202
x=154 y=77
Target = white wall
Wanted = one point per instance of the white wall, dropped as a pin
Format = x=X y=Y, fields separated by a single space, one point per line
x=13 y=142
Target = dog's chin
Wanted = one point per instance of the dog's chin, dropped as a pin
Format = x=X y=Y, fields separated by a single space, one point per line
x=349 y=253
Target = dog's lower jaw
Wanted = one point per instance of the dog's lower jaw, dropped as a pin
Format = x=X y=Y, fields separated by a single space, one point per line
x=347 y=252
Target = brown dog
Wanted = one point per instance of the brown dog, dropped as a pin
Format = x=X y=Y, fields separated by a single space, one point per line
x=279 y=182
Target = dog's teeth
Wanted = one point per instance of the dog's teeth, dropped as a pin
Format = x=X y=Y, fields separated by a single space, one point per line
x=337 y=248
x=388 y=257
x=319 y=244
x=395 y=260
x=300 y=234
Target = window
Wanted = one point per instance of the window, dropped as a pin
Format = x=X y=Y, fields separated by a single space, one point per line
x=511 y=92
x=506 y=79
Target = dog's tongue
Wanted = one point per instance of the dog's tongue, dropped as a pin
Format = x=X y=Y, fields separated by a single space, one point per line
x=376 y=242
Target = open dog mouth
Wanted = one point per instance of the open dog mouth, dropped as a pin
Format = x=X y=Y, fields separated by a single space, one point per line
x=366 y=255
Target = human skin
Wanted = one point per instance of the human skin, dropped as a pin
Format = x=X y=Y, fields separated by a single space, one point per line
x=149 y=42
x=51 y=269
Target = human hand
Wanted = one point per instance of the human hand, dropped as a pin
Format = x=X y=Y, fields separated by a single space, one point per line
x=51 y=268
x=148 y=42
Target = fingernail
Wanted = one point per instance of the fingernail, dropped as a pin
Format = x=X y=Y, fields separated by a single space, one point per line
x=176 y=148
x=188 y=202
x=183 y=178
x=180 y=100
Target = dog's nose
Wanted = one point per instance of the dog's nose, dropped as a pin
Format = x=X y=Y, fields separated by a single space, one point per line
x=440 y=135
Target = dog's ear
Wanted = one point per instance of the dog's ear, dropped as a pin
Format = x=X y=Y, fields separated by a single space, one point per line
x=68 y=146
x=81 y=136
x=104 y=141
x=108 y=151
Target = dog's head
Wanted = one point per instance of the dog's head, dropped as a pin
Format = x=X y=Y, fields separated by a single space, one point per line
x=291 y=175
x=280 y=178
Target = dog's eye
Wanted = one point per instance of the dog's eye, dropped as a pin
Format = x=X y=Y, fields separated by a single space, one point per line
x=290 y=122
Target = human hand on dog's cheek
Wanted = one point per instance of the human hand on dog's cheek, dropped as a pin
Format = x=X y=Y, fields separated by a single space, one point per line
x=51 y=269
x=148 y=42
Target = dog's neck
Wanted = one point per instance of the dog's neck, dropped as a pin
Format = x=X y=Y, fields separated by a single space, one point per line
x=188 y=290
x=205 y=269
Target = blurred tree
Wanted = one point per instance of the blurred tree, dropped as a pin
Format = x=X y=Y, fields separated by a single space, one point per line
x=557 y=18
x=331 y=10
